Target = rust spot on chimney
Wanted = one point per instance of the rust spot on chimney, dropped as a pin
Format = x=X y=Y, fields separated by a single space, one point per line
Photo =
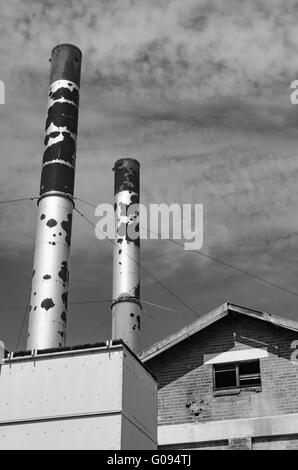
x=66 y=225
x=63 y=273
x=47 y=304
x=64 y=298
x=51 y=223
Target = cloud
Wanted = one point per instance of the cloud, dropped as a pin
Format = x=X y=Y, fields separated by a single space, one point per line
x=199 y=50
x=199 y=92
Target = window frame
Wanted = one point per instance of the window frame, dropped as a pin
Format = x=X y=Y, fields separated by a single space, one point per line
x=238 y=385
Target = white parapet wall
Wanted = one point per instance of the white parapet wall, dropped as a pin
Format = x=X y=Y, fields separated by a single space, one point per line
x=98 y=397
x=2 y=351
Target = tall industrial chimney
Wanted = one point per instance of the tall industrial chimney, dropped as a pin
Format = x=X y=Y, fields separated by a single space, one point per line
x=48 y=305
x=126 y=308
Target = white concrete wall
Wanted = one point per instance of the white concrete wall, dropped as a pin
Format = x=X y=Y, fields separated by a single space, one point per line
x=77 y=399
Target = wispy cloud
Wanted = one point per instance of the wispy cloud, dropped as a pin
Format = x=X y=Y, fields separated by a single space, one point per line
x=198 y=91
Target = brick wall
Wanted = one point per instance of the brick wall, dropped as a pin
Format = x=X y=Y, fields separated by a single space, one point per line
x=240 y=444
x=183 y=377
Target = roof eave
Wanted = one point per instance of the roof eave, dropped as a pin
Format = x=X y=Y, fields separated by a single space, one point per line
x=185 y=333
x=210 y=318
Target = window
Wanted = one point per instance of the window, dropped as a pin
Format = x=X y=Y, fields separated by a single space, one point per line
x=236 y=375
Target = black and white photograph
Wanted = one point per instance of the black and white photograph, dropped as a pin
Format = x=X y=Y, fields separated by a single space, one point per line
x=149 y=227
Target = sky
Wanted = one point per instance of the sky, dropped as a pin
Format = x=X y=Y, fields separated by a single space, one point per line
x=199 y=93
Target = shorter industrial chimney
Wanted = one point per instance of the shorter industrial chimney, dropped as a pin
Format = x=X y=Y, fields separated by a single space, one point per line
x=48 y=304
x=126 y=308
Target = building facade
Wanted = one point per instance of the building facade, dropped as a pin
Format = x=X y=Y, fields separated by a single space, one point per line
x=228 y=381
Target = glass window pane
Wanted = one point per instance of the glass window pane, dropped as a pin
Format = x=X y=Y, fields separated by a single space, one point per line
x=252 y=367
x=226 y=366
x=225 y=379
x=250 y=382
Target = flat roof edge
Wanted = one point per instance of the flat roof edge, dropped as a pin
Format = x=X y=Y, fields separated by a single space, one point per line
x=70 y=350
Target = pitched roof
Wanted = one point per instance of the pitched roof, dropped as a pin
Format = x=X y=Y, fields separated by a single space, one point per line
x=210 y=318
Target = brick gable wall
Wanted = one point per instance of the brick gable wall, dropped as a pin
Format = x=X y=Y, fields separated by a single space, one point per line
x=186 y=385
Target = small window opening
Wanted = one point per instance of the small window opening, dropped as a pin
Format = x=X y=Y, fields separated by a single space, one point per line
x=237 y=375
